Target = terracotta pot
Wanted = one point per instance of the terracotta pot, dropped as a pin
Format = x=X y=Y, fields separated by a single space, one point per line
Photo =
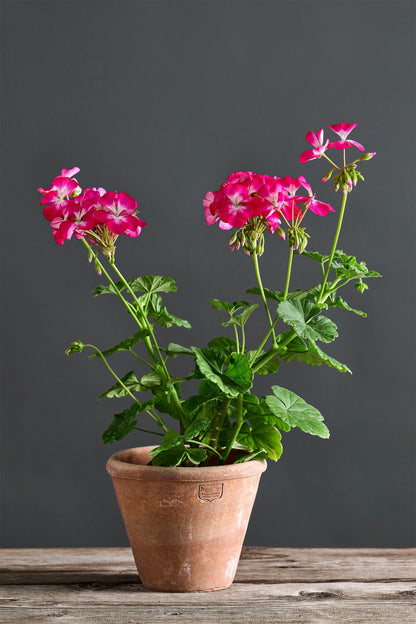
x=186 y=526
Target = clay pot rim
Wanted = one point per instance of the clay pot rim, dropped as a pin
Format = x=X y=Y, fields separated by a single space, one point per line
x=119 y=466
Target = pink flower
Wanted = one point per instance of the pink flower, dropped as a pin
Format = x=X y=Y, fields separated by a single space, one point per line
x=211 y=205
x=318 y=207
x=319 y=147
x=233 y=208
x=58 y=196
x=343 y=130
x=117 y=213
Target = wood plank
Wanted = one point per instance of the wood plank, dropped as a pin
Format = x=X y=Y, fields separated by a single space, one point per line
x=74 y=595
x=347 y=603
x=260 y=565
x=278 y=612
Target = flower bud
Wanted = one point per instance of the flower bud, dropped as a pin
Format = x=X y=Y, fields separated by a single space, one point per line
x=297 y=238
x=74 y=347
x=327 y=176
x=367 y=156
x=97 y=266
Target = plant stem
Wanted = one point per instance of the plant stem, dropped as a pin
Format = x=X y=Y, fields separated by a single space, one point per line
x=148 y=431
x=218 y=423
x=289 y=270
x=321 y=299
x=237 y=342
x=157 y=419
x=263 y=296
x=265 y=338
x=140 y=323
x=332 y=162
x=236 y=429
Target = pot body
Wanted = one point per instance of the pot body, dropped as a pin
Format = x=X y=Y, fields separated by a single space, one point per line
x=186 y=526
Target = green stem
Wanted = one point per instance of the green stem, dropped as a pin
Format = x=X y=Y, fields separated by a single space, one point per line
x=265 y=339
x=266 y=357
x=263 y=296
x=237 y=342
x=175 y=398
x=289 y=270
x=143 y=319
x=332 y=162
x=148 y=431
x=104 y=359
x=218 y=423
x=126 y=303
x=236 y=429
x=157 y=419
x=243 y=339
x=321 y=299
x=141 y=359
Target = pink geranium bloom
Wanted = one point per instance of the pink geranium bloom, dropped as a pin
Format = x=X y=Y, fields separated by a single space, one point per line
x=234 y=208
x=62 y=224
x=68 y=173
x=135 y=227
x=239 y=177
x=318 y=207
x=319 y=147
x=343 y=130
x=211 y=205
x=58 y=196
x=273 y=221
x=117 y=212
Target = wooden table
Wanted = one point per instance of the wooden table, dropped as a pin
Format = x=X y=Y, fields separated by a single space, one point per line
x=273 y=585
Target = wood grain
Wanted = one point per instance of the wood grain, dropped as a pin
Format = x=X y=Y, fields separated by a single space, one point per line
x=273 y=585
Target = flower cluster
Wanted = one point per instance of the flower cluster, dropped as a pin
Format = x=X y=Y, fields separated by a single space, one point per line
x=92 y=212
x=320 y=147
x=250 y=201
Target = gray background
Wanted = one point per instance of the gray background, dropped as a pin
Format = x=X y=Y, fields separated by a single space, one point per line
x=163 y=100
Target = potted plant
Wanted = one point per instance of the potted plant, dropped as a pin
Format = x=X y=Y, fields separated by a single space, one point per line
x=186 y=502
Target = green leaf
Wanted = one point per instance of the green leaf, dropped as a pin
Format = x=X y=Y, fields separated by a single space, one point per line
x=326 y=359
x=232 y=309
x=260 y=413
x=294 y=411
x=129 y=380
x=340 y=303
x=166 y=319
x=301 y=316
x=124 y=345
x=200 y=425
x=174 y=350
x=169 y=440
x=324 y=329
x=196 y=455
x=210 y=362
x=152 y=284
x=122 y=424
x=274 y=295
x=240 y=371
x=315 y=255
x=223 y=343
x=312 y=355
x=169 y=457
x=150 y=380
x=104 y=290
x=263 y=437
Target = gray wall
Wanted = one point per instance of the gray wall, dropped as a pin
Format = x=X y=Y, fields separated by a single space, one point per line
x=162 y=100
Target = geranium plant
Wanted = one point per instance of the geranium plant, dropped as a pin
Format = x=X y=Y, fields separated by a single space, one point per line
x=225 y=421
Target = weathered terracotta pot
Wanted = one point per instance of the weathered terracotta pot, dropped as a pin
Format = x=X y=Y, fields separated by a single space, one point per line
x=186 y=526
